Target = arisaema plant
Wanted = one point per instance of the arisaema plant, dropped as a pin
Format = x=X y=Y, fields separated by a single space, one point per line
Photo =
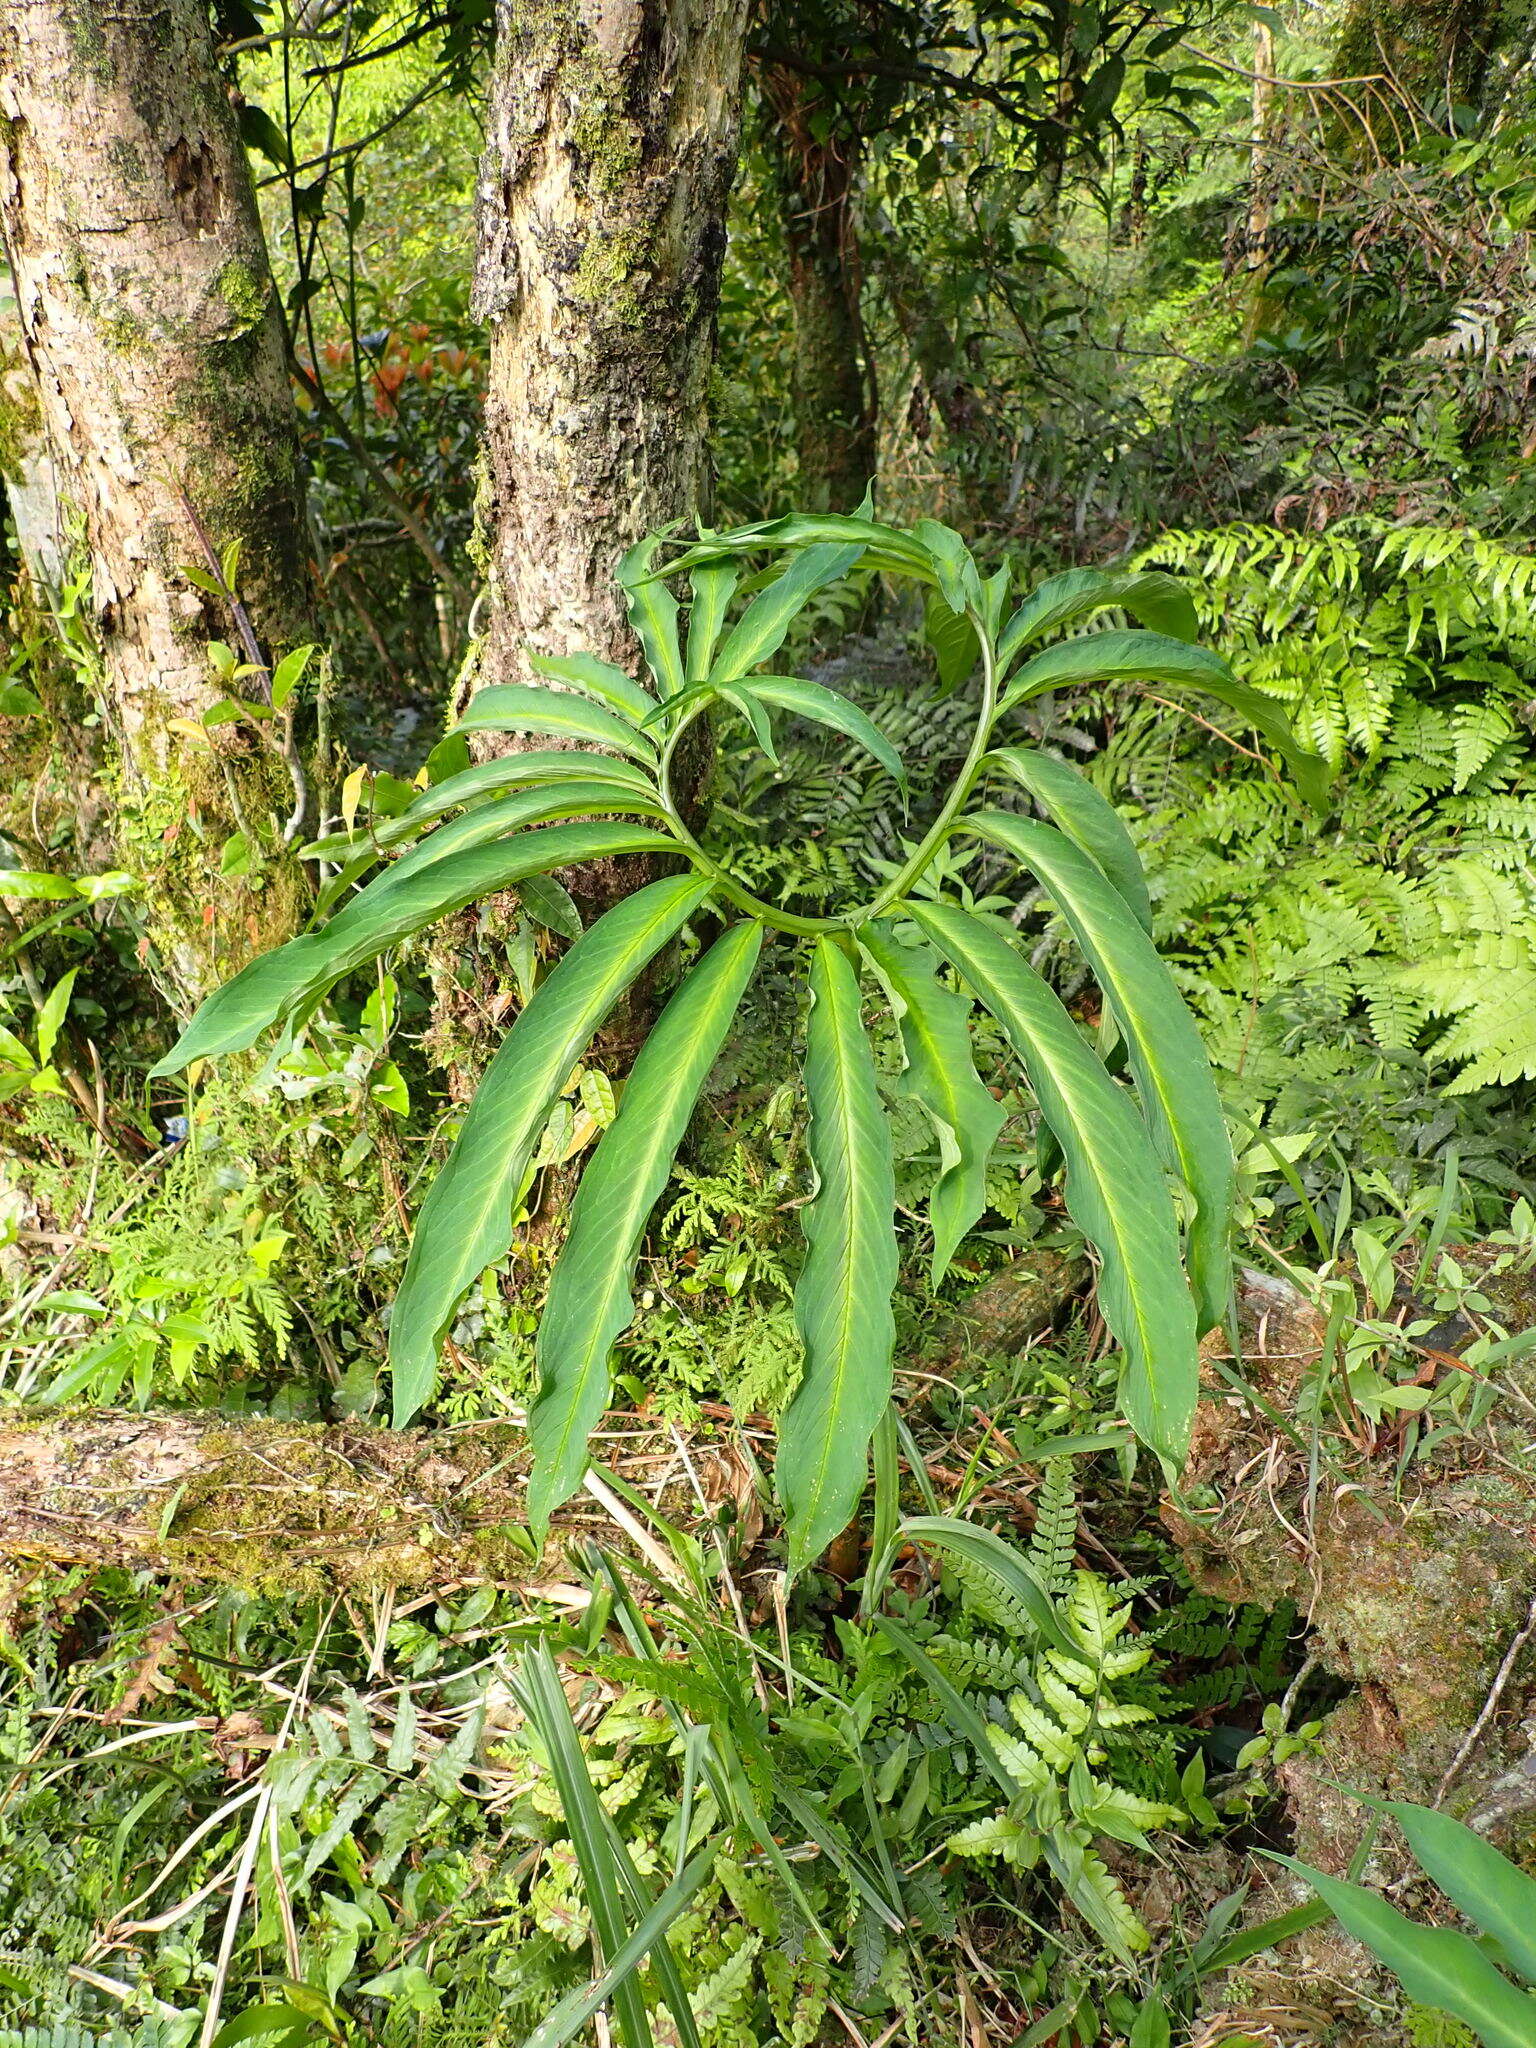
x=1147 y=1165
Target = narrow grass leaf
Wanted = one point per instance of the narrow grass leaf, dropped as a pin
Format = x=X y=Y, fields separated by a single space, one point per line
x=1115 y=1190
x=940 y=1074
x=1173 y=1075
x=843 y=1299
x=590 y=1303
x=388 y=910
x=1494 y=1893
x=465 y=1223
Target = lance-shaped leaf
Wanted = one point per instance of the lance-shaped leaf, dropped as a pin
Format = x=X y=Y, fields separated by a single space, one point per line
x=1163 y=1047
x=590 y=1303
x=814 y=701
x=1115 y=1190
x=470 y=785
x=541 y=806
x=713 y=585
x=599 y=679
x=1435 y=1965
x=761 y=628
x=1084 y=815
x=1155 y=658
x=843 y=1299
x=388 y=910
x=653 y=614
x=520 y=707
x=1151 y=595
x=465 y=1223
x=1495 y=1894
x=940 y=1074
x=886 y=545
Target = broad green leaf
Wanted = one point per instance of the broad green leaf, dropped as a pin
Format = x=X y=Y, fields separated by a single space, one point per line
x=953 y=638
x=753 y=711
x=814 y=701
x=1434 y=1965
x=1115 y=1191
x=34 y=885
x=761 y=628
x=550 y=904
x=1083 y=815
x=959 y=579
x=887 y=546
x=1495 y=1894
x=1118 y=656
x=594 y=796
x=589 y=1303
x=940 y=1074
x=389 y=909
x=1173 y=1075
x=523 y=707
x=843 y=1299
x=50 y=1018
x=465 y=1223
x=714 y=585
x=653 y=614
x=287 y=675
x=598 y=678
x=1155 y=598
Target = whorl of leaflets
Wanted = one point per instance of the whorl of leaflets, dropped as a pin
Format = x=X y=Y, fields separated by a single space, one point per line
x=1147 y=1167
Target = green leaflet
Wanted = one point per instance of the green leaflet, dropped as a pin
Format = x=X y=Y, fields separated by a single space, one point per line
x=825 y=707
x=1151 y=595
x=1119 y=656
x=521 y=707
x=1115 y=1189
x=388 y=910
x=598 y=678
x=887 y=545
x=465 y=1223
x=843 y=1299
x=653 y=614
x=540 y=806
x=1495 y=1894
x=589 y=1303
x=1166 y=1056
x=958 y=577
x=940 y=1074
x=1083 y=815
x=1434 y=1965
x=760 y=630
x=470 y=784
x=714 y=585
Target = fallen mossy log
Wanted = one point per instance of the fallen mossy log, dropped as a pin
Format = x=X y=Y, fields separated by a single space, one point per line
x=292 y=1507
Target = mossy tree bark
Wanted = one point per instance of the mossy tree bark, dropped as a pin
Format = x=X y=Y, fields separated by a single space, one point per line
x=153 y=336
x=1429 y=56
x=816 y=163
x=610 y=155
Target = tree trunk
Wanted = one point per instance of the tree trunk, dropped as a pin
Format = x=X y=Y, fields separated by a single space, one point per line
x=153 y=336
x=1426 y=56
x=611 y=151
x=833 y=381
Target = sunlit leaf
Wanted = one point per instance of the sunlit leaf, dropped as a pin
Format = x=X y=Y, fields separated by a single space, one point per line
x=520 y=707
